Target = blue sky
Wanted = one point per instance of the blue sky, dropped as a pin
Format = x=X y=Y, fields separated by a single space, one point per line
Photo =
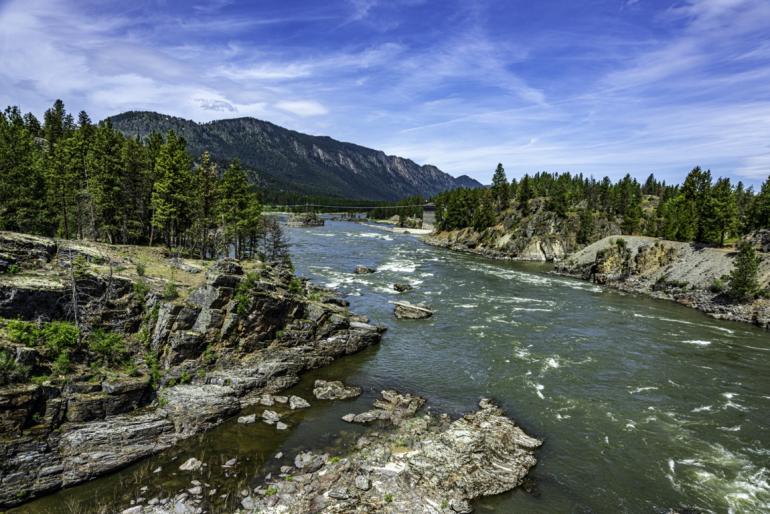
x=602 y=87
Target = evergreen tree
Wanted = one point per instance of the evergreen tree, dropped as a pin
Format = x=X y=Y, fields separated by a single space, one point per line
x=744 y=283
x=525 y=194
x=586 y=229
x=235 y=193
x=720 y=212
x=171 y=202
x=484 y=214
x=760 y=210
x=500 y=188
x=105 y=188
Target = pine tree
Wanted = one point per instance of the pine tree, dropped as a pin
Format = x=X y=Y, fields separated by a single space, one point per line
x=744 y=283
x=500 y=190
x=760 y=210
x=720 y=212
x=207 y=195
x=104 y=185
x=525 y=194
x=171 y=202
x=484 y=214
x=586 y=229
x=235 y=194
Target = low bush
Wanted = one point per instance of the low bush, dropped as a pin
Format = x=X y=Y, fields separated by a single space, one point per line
x=108 y=346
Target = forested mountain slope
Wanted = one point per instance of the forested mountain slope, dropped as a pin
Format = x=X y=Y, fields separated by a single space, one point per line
x=291 y=161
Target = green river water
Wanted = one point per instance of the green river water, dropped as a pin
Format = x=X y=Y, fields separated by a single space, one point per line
x=643 y=404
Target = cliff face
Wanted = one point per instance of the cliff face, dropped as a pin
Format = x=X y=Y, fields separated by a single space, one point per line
x=539 y=236
x=232 y=331
x=683 y=272
x=299 y=163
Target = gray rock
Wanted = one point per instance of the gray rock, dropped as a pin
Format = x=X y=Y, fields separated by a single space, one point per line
x=280 y=425
x=451 y=463
x=247 y=420
x=270 y=417
x=295 y=402
x=403 y=287
x=363 y=270
x=230 y=463
x=406 y=310
x=280 y=399
x=191 y=464
x=363 y=483
x=334 y=390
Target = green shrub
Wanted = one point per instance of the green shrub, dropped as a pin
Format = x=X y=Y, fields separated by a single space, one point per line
x=718 y=286
x=243 y=293
x=141 y=289
x=11 y=371
x=62 y=365
x=271 y=491
x=60 y=336
x=295 y=286
x=388 y=498
x=108 y=346
x=154 y=366
x=13 y=269
x=621 y=243
x=140 y=269
x=185 y=377
x=170 y=292
x=22 y=332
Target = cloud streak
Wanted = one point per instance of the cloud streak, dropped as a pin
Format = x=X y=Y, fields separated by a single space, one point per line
x=460 y=85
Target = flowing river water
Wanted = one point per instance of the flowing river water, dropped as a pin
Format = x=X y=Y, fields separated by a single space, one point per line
x=643 y=404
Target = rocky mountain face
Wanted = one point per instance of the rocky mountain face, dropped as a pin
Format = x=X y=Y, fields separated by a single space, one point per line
x=683 y=272
x=235 y=331
x=290 y=161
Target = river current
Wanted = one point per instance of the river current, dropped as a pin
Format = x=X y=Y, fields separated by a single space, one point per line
x=643 y=404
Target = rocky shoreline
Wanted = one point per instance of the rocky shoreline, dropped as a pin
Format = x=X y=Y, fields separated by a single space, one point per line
x=240 y=331
x=668 y=270
x=409 y=463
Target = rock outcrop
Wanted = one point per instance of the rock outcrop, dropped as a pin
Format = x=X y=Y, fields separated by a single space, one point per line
x=426 y=465
x=689 y=274
x=238 y=334
x=334 y=390
x=541 y=235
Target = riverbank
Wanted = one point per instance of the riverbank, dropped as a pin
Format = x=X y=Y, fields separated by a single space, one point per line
x=685 y=273
x=417 y=463
x=178 y=364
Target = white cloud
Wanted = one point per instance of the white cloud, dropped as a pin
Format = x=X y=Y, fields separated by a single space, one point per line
x=302 y=108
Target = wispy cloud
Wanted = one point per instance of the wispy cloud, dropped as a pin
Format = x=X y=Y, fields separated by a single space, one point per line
x=462 y=85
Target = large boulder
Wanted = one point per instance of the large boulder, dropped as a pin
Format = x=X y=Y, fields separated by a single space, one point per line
x=334 y=390
x=406 y=310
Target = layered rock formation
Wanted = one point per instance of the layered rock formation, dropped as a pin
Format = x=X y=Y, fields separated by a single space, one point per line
x=200 y=358
x=687 y=273
x=425 y=464
x=539 y=236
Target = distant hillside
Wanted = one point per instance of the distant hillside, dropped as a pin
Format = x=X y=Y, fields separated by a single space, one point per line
x=286 y=160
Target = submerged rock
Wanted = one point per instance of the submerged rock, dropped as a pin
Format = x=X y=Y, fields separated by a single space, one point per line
x=406 y=310
x=270 y=417
x=402 y=288
x=334 y=390
x=247 y=420
x=393 y=407
x=191 y=464
x=296 y=402
x=363 y=270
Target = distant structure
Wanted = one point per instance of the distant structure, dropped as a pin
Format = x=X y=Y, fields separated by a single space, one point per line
x=305 y=219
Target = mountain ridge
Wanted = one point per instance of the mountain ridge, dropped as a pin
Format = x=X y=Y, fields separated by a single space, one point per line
x=286 y=160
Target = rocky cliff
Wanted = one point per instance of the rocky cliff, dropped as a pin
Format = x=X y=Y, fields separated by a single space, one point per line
x=539 y=236
x=690 y=274
x=164 y=349
x=286 y=160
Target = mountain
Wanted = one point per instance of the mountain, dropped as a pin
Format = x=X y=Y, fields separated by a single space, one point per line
x=285 y=160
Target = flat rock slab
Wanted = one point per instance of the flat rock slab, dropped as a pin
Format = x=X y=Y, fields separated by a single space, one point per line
x=406 y=310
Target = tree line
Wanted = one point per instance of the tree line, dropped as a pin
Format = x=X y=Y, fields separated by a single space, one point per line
x=700 y=210
x=75 y=179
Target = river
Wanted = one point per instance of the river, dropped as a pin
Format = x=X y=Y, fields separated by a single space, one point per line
x=643 y=404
